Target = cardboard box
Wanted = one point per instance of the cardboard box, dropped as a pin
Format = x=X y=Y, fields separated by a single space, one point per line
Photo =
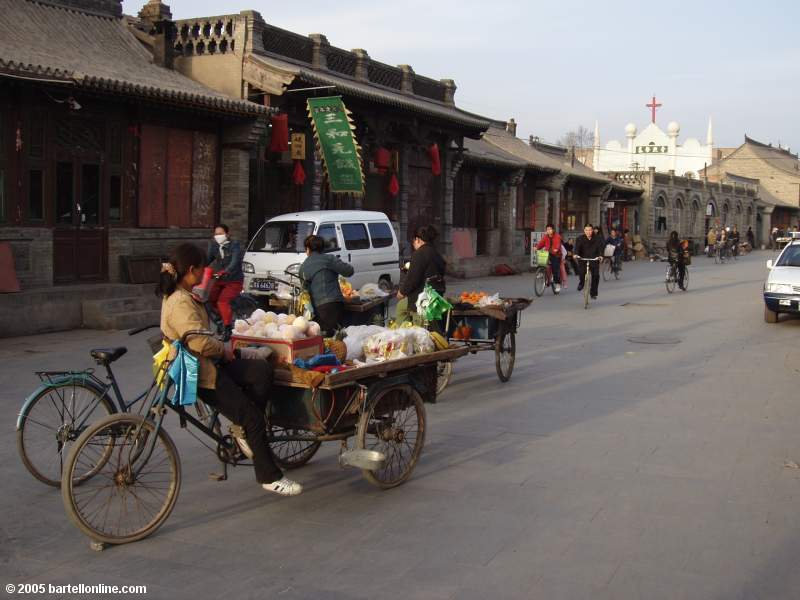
x=284 y=351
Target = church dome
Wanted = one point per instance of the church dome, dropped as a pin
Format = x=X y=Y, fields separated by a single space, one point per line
x=630 y=130
x=673 y=128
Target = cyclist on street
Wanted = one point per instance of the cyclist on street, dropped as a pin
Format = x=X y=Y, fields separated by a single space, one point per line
x=618 y=242
x=677 y=257
x=552 y=243
x=735 y=237
x=587 y=246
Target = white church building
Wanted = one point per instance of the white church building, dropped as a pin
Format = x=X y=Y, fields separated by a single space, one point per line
x=653 y=147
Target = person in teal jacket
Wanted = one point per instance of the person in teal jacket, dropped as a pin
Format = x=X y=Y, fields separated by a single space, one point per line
x=320 y=276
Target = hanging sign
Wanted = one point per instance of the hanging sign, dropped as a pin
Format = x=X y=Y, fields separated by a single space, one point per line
x=341 y=154
x=298 y=146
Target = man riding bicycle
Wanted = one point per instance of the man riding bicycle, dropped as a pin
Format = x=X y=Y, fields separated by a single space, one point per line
x=552 y=243
x=678 y=256
x=614 y=239
x=589 y=246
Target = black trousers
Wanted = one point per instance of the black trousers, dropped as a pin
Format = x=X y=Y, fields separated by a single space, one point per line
x=681 y=273
x=594 y=267
x=241 y=395
x=555 y=267
x=328 y=316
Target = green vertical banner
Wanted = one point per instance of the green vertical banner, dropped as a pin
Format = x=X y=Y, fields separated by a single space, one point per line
x=336 y=141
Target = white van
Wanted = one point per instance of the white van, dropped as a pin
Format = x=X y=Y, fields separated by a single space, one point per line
x=362 y=238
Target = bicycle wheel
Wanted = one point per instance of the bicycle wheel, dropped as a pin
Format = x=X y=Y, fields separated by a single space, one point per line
x=291 y=454
x=669 y=282
x=686 y=280
x=717 y=257
x=50 y=424
x=607 y=267
x=444 y=372
x=618 y=271
x=505 y=351
x=539 y=282
x=394 y=425
x=586 y=287
x=134 y=492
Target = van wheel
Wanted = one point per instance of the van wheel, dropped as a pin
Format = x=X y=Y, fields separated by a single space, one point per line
x=385 y=284
x=770 y=316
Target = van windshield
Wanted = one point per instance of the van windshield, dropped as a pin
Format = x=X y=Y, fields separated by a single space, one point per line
x=281 y=236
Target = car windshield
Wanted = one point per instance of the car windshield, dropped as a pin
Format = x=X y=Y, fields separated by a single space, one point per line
x=281 y=236
x=790 y=257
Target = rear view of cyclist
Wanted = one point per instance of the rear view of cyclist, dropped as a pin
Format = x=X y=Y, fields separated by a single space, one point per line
x=589 y=246
x=614 y=239
x=552 y=243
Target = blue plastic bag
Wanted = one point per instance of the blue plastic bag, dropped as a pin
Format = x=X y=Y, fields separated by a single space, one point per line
x=183 y=371
x=318 y=360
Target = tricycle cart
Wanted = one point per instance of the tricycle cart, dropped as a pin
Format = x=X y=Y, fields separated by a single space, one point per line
x=366 y=311
x=121 y=479
x=485 y=328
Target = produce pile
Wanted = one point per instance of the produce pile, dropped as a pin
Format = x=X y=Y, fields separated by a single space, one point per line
x=271 y=326
x=367 y=344
x=368 y=290
x=347 y=289
x=480 y=299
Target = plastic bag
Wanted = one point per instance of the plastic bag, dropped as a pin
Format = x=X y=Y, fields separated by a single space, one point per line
x=387 y=345
x=159 y=358
x=183 y=371
x=372 y=290
x=430 y=304
x=356 y=334
x=609 y=251
x=418 y=339
x=493 y=300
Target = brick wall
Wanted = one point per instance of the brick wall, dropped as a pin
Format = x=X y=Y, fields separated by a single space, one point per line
x=32 y=248
x=235 y=191
x=149 y=242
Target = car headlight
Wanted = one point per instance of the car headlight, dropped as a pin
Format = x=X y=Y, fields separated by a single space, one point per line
x=248 y=267
x=779 y=288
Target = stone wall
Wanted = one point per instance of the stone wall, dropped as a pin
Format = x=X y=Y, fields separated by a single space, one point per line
x=149 y=242
x=32 y=248
x=235 y=197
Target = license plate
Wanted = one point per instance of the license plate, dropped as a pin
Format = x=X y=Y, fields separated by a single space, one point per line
x=264 y=285
x=785 y=302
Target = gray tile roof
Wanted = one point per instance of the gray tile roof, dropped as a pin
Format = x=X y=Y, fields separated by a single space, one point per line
x=95 y=52
x=481 y=152
x=373 y=92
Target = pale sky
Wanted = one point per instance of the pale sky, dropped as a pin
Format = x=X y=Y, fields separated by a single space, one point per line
x=559 y=64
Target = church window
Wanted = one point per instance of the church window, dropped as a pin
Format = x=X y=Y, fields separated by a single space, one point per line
x=660 y=216
x=677 y=215
x=694 y=217
x=724 y=214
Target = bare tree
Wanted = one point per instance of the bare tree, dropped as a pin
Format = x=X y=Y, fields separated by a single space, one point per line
x=578 y=138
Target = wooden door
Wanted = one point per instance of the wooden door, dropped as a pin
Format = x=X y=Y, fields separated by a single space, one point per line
x=80 y=239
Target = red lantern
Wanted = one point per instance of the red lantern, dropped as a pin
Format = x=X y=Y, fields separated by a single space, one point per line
x=394 y=186
x=299 y=174
x=436 y=164
x=382 y=159
x=279 y=141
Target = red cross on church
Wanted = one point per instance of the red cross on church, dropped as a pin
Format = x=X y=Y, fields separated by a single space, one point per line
x=653 y=106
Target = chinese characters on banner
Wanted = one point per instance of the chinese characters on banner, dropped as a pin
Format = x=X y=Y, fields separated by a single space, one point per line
x=337 y=144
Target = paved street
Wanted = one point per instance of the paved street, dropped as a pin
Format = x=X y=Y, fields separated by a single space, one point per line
x=603 y=469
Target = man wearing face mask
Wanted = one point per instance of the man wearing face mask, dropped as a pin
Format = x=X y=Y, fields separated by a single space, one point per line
x=225 y=257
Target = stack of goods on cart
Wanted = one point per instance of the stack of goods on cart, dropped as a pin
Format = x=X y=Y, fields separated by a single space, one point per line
x=369 y=291
x=348 y=291
x=478 y=299
x=289 y=336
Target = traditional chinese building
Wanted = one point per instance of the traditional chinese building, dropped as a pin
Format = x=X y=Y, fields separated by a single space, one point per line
x=408 y=126
x=776 y=172
x=106 y=152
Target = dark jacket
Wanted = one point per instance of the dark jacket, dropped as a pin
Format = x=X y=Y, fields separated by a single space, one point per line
x=589 y=248
x=677 y=251
x=427 y=266
x=320 y=276
x=231 y=262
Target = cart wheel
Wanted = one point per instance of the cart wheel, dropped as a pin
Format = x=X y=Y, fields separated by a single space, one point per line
x=133 y=492
x=444 y=372
x=291 y=454
x=607 y=269
x=505 y=349
x=393 y=424
x=539 y=282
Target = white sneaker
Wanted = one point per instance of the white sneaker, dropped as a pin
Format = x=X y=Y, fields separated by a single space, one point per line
x=284 y=487
x=558 y=288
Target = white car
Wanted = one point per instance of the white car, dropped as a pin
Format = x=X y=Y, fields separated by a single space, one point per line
x=782 y=288
x=362 y=238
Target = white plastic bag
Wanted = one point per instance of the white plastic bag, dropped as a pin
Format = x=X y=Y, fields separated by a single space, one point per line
x=609 y=250
x=388 y=345
x=372 y=290
x=490 y=300
x=356 y=334
x=418 y=339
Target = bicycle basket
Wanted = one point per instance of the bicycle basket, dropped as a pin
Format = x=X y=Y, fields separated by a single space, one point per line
x=542 y=258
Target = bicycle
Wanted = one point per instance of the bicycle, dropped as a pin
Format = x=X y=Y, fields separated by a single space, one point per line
x=671 y=279
x=611 y=266
x=543 y=278
x=587 y=281
x=63 y=406
x=721 y=253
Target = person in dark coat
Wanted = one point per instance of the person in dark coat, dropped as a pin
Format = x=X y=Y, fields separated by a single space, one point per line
x=589 y=245
x=427 y=266
x=320 y=276
x=678 y=256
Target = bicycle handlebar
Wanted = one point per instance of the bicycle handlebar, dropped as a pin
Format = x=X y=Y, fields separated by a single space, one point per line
x=590 y=259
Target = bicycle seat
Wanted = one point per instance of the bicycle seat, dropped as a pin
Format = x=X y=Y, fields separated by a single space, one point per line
x=107 y=355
